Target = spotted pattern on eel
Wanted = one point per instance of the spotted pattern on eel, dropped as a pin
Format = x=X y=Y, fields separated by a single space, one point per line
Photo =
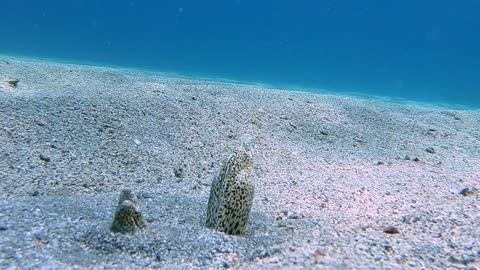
x=128 y=217
x=231 y=194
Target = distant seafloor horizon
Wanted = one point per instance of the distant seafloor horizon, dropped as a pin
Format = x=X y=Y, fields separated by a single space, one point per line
x=409 y=51
x=213 y=78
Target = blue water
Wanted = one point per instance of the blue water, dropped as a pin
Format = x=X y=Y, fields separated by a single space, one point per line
x=422 y=50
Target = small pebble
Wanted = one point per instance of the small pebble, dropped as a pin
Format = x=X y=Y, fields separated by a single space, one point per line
x=467 y=191
x=38 y=236
x=137 y=142
x=44 y=158
x=146 y=195
x=416 y=159
x=430 y=150
x=254 y=120
x=13 y=83
x=40 y=123
x=391 y=230
x=3 y=228
x=294 y=216
x=318 y=254
x=178 y=172
x=36 y=212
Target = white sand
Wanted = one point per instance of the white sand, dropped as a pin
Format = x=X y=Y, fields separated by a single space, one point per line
x=322 y=199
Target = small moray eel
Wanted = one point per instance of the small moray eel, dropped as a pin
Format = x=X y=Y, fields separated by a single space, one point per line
x=128 y=218
x=231 y=194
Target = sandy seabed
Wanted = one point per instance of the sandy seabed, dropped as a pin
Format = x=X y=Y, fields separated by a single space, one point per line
x=335 y=176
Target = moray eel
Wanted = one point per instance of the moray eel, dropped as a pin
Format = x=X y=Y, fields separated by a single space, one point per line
x=231 y=194
x=128 y=217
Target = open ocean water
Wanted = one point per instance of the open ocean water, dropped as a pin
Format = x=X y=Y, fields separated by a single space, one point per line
x=418 y=50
